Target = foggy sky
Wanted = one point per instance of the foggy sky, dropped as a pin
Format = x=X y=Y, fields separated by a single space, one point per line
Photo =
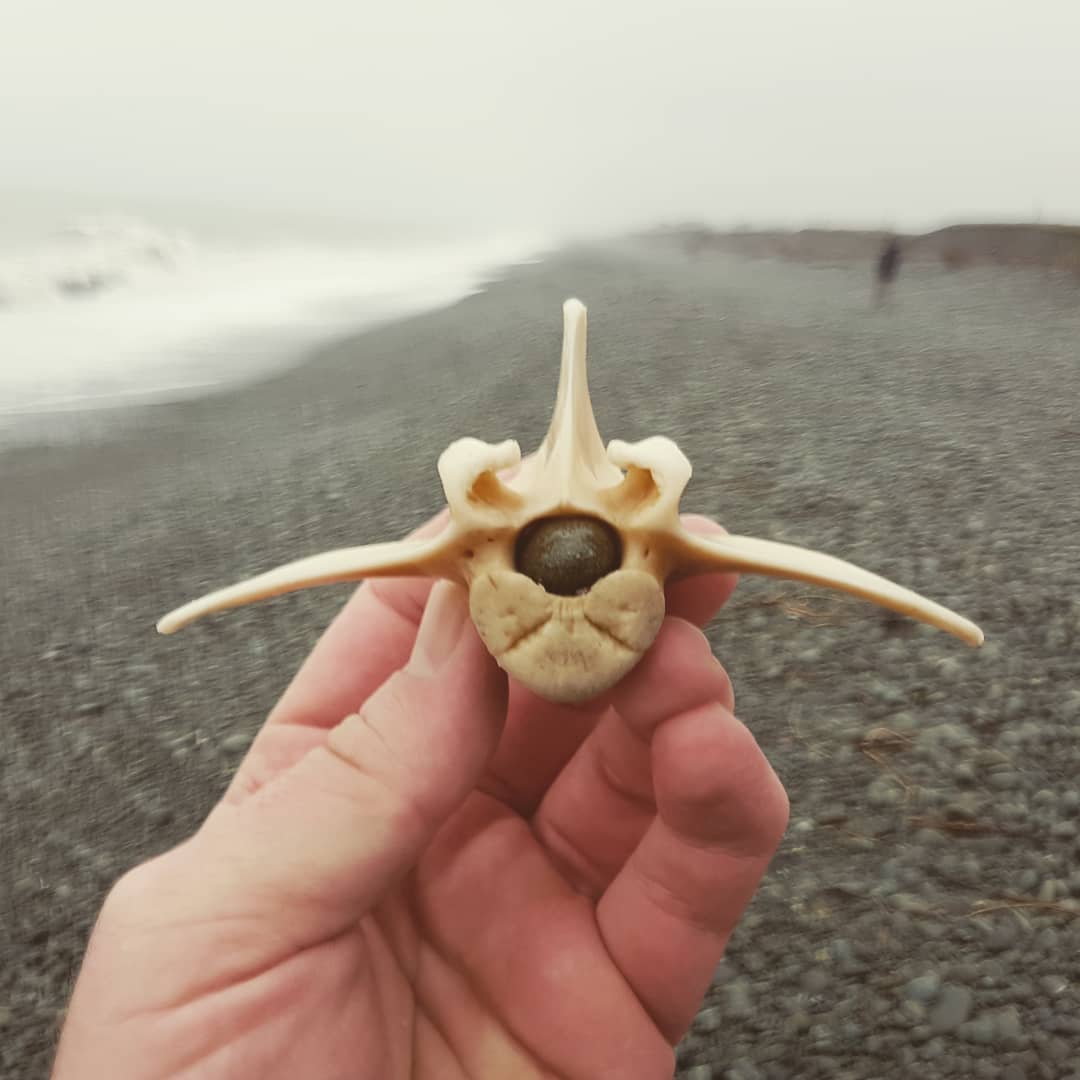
x=581 y=115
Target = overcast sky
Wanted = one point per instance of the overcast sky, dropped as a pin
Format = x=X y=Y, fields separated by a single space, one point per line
x=605 y=114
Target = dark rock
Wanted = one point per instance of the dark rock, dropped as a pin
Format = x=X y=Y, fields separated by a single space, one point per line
x=923 y=988
x=237 y=743
x=953 y=1007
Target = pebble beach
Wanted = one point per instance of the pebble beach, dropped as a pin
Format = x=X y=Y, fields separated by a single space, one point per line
x=923 y=914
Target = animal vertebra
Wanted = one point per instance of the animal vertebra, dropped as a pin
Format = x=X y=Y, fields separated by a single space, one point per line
x=566 y=561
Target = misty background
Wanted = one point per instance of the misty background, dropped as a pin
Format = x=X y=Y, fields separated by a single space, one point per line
x=193 y=197
x=482 y=115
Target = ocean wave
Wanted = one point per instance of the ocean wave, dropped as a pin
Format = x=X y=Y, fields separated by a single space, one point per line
x=91 y=256
x=110 y=309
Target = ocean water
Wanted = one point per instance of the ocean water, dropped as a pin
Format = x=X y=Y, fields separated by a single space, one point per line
x=103 y=311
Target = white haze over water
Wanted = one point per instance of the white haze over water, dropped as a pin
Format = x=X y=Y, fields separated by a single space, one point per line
x=113 y=310
x=421 y=119
x=609 y=115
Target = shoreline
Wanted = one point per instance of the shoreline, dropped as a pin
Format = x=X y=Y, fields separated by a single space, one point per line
x=132 y=316
x=960 y=246
x=57 y=442
x=80 y=421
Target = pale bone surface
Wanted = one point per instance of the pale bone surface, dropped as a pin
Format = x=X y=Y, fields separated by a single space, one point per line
x=570 y=648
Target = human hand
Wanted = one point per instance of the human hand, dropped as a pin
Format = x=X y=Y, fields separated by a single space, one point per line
x=459 y=880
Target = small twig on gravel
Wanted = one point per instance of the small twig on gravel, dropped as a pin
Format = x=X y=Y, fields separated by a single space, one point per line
x=795 y=722
x=809 y=607
x=880 y=741
x=963 y=828
x=854 y=834
x=1022 y=903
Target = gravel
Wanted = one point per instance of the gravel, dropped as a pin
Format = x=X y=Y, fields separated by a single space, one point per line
x=923 y=915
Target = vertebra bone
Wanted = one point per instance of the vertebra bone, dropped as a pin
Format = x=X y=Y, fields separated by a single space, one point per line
x=571 y=648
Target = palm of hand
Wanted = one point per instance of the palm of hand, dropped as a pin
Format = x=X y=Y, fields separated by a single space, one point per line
x=455 y=975
x=559 y=916
x=487 y=963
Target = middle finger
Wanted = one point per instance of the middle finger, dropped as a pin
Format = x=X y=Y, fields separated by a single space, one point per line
x=600 y=806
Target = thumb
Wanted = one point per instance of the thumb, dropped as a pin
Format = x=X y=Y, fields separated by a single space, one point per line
x=324 y=841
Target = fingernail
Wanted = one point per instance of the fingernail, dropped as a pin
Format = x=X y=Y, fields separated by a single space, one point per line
x=440 y=628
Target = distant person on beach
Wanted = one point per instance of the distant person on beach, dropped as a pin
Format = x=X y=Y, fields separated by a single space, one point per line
x=420 y=870
x=888 y=266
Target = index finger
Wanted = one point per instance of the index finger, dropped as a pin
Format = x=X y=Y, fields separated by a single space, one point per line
x=369 y=639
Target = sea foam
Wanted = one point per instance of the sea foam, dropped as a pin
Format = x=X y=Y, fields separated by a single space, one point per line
x=114 y=310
